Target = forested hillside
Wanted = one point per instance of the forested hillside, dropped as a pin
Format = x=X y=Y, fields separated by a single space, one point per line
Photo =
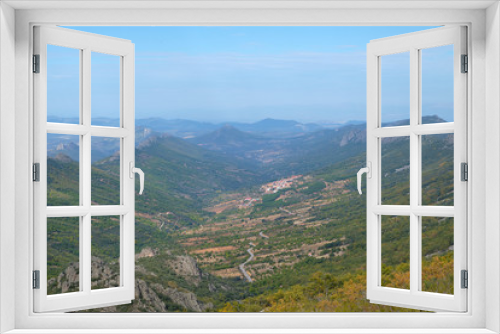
x=290 y=201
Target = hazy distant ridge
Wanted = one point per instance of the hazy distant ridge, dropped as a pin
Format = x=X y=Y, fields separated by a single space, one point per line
x=187 y=128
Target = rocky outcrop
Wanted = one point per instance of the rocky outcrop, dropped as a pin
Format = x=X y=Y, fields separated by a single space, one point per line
x=102 y=275
x=149 y=297
x=66 y=281
x=69 y=279
x=146 y=299
x=186 y=266
x=187 y=299
x=146 y=252
x=65 y=147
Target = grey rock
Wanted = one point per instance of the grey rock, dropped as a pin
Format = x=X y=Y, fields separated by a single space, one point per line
x=187 y=299
x=186 y=266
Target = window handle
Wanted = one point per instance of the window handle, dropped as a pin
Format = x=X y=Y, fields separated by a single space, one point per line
x=139 y=171
x=368 y=171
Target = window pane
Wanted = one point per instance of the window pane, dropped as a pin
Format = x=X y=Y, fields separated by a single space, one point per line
x=105 y=171
x=437 y=84
x=105 y=252
x=105 y=89
x=437 y=169
x=63 y=267
x=395 y=171
x=63 y=85
x=395 y=89
x=437 y=254
x=396 y=251
x=63 y=170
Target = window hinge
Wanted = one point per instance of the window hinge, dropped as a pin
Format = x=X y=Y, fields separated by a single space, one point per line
x=36 y=279
x=465 y=279
x=36 y=63
x=465 y=64
x=464 y=171
x=36 y=172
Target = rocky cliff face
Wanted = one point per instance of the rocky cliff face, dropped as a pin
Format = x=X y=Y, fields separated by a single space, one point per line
x=186 y=267
x=146 y=252
x=154 y=298
x=149 y=297
x=67 y=281
x=186 y=299
x=103 y=276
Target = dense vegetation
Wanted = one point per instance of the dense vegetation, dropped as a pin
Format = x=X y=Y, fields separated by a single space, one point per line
x=324 y=292
x=309 y=237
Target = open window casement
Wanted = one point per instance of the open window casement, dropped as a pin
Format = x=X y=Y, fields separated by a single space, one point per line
x=66 y=211
x=409 y=185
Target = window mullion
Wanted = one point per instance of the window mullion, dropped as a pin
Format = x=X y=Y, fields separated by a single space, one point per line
x=81 y=178
x=85 y=184
x=414 y=170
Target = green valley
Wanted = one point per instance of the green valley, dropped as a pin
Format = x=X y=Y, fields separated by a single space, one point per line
x=290 y=199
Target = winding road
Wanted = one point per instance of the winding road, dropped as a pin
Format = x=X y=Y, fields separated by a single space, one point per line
x=242 y=266
x=250 y=251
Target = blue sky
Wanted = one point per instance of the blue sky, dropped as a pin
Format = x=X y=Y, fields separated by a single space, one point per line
x=245 y=74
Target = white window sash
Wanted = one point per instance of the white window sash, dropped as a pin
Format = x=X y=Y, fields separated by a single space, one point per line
x=86 y=297
x=414 y=297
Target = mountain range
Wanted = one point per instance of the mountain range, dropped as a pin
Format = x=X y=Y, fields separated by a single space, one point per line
x=189 y=128
x=269 y=135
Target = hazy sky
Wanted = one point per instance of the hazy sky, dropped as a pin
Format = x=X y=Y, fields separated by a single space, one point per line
x=246 y=74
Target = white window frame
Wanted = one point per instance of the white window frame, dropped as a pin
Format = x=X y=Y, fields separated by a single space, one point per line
x=413 y=44
x=86 y=44
x=484 y=103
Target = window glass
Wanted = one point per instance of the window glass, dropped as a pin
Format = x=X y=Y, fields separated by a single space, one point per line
x=63 y=170
x=437 y=254
x=437 y=84
x=63 y=84
x=437 y=169
x=395 y=171
x=106 y=172
x=105 y=252
x=106 y=89
x=63 y=249
x=395 y=89
x=395 y=251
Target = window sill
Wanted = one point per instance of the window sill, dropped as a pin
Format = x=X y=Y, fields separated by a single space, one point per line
x=251 y=331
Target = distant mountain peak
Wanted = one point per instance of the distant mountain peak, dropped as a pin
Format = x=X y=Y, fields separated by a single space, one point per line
x=61 y=157
x=432 y=119
x=228 y=131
